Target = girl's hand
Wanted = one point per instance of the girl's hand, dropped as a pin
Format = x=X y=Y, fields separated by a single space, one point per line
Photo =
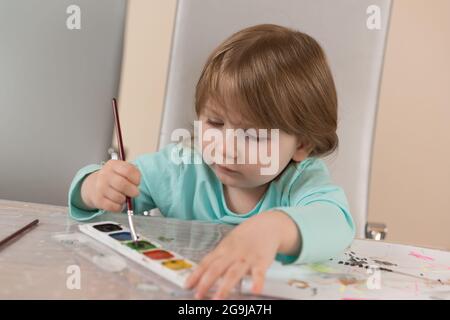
x=107 y=188
x=249 y=249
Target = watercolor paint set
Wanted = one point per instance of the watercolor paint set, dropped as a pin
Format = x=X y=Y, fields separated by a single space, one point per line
x=149 y=254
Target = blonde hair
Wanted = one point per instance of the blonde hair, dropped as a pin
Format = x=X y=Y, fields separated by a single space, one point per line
x=270 y=76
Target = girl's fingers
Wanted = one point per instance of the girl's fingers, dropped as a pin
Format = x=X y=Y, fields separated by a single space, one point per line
x=108 y=205
x=114 y=196
x=232 y=277
x=124 y=186
x=258 y=276
x=211 y=275
x=202 y=266
x=128 y=171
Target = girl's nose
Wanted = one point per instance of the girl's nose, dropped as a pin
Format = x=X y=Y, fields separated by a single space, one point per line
x=230 y=146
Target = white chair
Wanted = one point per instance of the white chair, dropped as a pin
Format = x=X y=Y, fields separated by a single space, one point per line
x=354 y=50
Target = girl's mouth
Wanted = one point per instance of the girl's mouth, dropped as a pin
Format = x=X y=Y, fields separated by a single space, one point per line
x=224 y=169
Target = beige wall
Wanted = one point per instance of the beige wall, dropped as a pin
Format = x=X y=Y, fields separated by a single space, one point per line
x=410 y=187
x=146 y=58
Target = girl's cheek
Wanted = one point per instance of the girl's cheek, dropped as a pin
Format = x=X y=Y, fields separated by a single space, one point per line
x=266 y=154
x=252 y=152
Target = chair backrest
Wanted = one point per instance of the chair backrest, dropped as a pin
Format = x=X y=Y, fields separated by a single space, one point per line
x=354 y=50
x=56 y=85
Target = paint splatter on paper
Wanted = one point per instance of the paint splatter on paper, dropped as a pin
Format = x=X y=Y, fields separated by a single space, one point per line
x=420 y=256
x=366 y=270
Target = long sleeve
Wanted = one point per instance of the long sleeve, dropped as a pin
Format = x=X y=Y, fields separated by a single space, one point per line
x=160 y=177
x=79 y=212
x=192 y=192
x=322 y=217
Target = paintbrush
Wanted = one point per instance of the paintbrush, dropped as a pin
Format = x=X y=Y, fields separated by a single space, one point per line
x=19 y=232
x=122 y=157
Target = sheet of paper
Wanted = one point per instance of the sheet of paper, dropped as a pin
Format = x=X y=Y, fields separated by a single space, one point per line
x=366 y=270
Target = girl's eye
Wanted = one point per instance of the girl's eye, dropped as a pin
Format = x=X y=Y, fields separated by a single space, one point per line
x=256 y=138
x=214 y=123
x=252 y=137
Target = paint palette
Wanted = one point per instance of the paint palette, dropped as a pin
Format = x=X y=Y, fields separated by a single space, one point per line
x=149 y=254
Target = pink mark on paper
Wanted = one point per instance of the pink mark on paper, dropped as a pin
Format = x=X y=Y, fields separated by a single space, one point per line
x=420 y=256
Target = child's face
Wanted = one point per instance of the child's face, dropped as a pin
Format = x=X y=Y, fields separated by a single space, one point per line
x=250 y=161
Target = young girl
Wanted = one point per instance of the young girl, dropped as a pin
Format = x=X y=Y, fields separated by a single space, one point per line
x=262 y=77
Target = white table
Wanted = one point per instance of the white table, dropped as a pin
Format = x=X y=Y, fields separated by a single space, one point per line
x=39 y=265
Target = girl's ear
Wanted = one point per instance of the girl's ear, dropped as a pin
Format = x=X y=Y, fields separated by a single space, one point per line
x=302 y=152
